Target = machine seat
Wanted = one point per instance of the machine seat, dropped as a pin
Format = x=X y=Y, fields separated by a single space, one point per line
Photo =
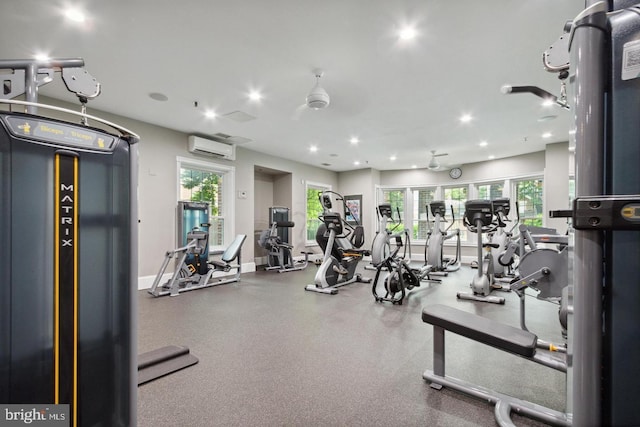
x=477 y=328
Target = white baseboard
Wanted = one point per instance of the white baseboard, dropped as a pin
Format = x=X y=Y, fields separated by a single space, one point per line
x=145 y=282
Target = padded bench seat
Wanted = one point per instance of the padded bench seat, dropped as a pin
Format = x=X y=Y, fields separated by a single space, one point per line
x=477 y=328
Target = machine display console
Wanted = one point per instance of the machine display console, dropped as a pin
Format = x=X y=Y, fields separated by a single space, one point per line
x=58 y=133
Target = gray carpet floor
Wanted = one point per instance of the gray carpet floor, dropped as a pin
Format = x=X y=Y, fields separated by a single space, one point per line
x=273 y=354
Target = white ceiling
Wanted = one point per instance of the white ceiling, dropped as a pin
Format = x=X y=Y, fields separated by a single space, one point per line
x=401 y=98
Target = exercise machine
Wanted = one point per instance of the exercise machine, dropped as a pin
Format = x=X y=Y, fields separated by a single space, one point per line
x=501 y=236
x=394 y=270
x=479 y=219
x=399 y=276
x=194 y=270
x=434 y=248
x=279 y=253
x=544 y=270
x=340 y=242
x=68 y=250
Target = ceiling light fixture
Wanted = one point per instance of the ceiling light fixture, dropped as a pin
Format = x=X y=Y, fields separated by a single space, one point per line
x=414 y=166
x=313 y=148
x=407 y=33
x=466 y=118
x=210 y=114
x=254 y=95
x=75 y=15
x=483 y=143
x=546 y=135
x=392 y=158
x=41 y=57
x=357 y=163
x=354 y=140
x=491 y=157
x=548 y=103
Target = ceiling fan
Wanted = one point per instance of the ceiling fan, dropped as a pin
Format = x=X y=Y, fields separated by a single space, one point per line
x=434 y=164
x=318 y=98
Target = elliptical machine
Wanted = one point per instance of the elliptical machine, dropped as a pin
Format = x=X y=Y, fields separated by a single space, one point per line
x=478 y=218
x=340 y=242
x=434 y=249
x=401 y=275
x=501 y=237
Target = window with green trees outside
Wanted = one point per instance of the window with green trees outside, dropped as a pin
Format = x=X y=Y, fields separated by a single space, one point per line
x=205 y=186
x=529 y=197
x=314 y=209
x=421 y=199
x=457 y=197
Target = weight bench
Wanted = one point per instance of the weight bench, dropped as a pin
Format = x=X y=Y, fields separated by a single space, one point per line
x=495 y=334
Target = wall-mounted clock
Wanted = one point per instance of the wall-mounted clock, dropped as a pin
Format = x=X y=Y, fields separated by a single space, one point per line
x=455 y=173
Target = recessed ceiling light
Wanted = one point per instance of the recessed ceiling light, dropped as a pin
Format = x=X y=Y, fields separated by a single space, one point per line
x=414 y=166
x=392 y=158
x=483 y=143
x=357 y=163
x=210 y=114
x=548 y=103
x=491 y=157
x=546 y=135
x=466 y=118
x=41 y=57
x=159 y=96
x=407 y=33
x=354 y=140
x=313 y=148
x=254 y=95
x=75 y=15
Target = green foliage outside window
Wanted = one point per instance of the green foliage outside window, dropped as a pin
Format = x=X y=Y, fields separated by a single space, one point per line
x=205 y=186
x=529 y=197
x=314 y=210
x=456 y=197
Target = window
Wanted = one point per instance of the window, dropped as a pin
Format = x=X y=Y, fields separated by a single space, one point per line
x=490 y=191
x=529 y=198
x=208 y=182
x=572 y=190
x=395 y=197
x=456 y=197
x=314 y=209
x=421 y=198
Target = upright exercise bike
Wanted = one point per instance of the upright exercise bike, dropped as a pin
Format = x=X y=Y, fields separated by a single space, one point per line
x=340 y=242
x=479 y=219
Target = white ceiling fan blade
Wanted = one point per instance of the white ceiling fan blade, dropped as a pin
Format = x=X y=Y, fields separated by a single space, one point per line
x=298 y=111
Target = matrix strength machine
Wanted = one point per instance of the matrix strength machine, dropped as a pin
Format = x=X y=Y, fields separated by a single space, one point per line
x=68 y=252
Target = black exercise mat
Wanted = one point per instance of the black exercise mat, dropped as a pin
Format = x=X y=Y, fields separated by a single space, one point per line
x=163 y=361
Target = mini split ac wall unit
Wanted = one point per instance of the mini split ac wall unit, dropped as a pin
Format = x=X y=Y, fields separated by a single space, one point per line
x=209 y=147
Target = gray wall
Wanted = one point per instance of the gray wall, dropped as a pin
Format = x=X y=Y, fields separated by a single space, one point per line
x=157 y=194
